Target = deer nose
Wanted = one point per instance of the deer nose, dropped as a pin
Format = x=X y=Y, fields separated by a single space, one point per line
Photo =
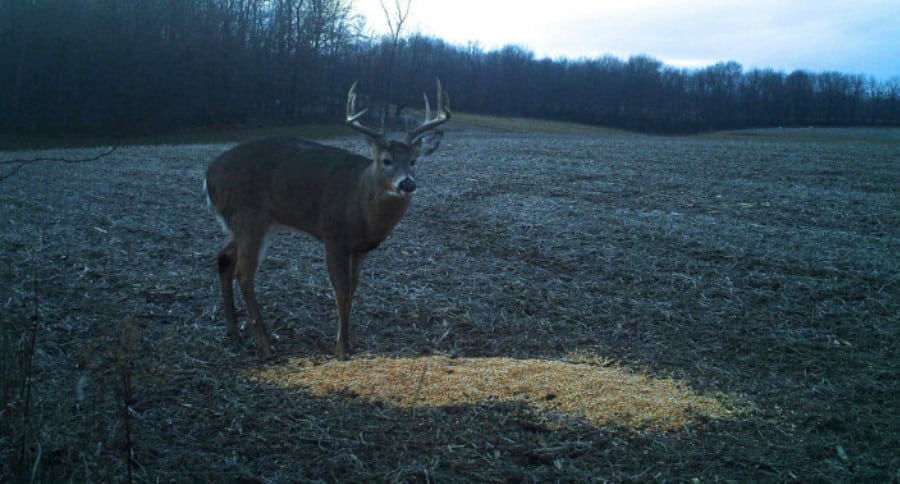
x=408 y=185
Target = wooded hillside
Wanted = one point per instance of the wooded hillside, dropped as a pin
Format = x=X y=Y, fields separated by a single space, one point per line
x=110 y=67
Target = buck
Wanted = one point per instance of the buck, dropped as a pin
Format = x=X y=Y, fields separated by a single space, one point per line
x=348 y=202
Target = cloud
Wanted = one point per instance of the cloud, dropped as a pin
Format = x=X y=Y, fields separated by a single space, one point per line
x=861 y=36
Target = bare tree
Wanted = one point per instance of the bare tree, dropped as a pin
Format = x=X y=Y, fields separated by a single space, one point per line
x=395 y=20
x=108 y=67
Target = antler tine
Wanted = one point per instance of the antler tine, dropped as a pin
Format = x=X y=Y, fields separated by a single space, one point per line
x=441 y=117
x=353 y=117
x=351 y=105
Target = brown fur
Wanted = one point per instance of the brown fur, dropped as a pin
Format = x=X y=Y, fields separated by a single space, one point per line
x=346 y=201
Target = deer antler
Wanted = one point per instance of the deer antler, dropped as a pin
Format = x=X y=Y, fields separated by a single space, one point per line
x=441 y=117
x=353 y=116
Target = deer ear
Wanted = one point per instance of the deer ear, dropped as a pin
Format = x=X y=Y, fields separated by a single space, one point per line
x=428 y=143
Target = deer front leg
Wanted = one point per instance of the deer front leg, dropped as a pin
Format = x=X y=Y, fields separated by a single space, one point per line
x=356 y=261
x=339 y=261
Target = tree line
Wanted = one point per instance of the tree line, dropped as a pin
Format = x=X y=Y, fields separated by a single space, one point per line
x=114 y=67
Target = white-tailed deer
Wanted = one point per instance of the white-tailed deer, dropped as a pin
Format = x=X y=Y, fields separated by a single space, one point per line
x=348 y=202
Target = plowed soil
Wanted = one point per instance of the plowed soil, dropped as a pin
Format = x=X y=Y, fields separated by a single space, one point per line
x=554 y=307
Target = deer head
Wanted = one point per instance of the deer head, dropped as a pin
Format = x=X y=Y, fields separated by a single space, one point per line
x=395 y=160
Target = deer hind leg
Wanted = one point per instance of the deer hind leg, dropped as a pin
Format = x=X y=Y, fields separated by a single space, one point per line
x=246 y=276
x=249 y=245
x=227 y=263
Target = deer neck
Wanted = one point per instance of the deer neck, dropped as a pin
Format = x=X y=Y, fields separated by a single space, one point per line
x=382 y=207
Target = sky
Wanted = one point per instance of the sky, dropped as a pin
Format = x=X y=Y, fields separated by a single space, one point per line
x=848 y=36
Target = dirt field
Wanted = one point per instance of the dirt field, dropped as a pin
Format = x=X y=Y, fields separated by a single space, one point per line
x=555 y=307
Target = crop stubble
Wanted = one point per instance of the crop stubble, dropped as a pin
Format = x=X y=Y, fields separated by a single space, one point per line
x=753 y=274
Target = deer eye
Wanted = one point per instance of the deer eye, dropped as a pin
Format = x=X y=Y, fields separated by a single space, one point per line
x=386 y=162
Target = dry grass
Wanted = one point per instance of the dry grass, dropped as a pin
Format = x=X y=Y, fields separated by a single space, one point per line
x=555 y=307
x=532 y=126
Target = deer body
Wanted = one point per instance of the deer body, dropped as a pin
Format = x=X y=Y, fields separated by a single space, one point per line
x=348 y=202
x=324 y=191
